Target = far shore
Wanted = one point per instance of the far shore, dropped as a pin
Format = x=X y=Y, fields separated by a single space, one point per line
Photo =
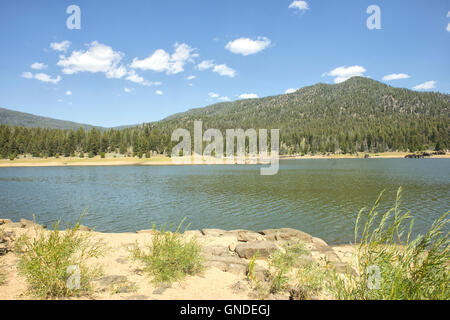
x=167 y=161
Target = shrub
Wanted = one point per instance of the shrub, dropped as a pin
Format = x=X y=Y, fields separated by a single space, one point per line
x=391 y=266
x=102 y=155
x=81 y=155
x=281 y=262
x=313 y=279
x=91 y=154
x=169 y=257
x=48 y=259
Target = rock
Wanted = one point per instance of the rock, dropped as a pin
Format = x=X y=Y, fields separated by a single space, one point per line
x=84 y=228
x=235 y=232
x=193 y=233
x=213 y=232
x=237 y=269
x=259 y=273
x=5 y=221
x=262 y=248
x=277 y=296
x=28 y=223
x=14 y=225
x=222 y=266
x=297 y=293
x=239 y=287
x=149 y=231
x=226 y=259
x=121 y=260
x=319 y=242
x=109 y=280
x=162 y=287
x=138 y=297
x=232 y=246
x=286 y=234
x=246 y=236
x=216 y=250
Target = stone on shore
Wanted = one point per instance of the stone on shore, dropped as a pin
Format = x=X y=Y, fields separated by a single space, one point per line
x=262 y=249
x=286 y=234
x=213 y=232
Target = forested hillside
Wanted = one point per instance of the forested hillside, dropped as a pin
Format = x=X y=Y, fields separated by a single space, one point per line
x=359 y=115
x=22 y=119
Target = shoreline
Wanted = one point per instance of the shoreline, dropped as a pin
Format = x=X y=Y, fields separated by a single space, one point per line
x=166 y=161
x=226 y=257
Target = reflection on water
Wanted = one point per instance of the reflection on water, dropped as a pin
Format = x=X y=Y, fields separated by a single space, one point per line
x=321 y=197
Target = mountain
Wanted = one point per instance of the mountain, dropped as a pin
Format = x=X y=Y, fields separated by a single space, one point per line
x=357 y=97
x=358 y=115
x=355 y=115
x=22 y=119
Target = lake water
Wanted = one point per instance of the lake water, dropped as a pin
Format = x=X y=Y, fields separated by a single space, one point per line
x=321 y=197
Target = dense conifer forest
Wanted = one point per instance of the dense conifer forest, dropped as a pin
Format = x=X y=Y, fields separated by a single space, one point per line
x=359 y=115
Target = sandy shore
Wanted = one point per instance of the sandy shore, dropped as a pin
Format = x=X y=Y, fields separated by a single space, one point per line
x=166 y=161
x=226 y=253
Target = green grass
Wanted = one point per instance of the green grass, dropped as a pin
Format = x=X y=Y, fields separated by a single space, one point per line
x=169 y=257
x=44 y=261
x=313 y=280
x=281 y=263
x=392 y=266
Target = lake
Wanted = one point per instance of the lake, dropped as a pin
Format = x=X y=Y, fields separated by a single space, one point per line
x=320 y=197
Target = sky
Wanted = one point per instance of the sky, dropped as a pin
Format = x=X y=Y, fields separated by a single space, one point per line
x=139 y=61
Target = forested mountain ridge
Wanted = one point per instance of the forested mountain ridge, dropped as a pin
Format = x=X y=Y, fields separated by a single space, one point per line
x=22 y=119
x=358 y=115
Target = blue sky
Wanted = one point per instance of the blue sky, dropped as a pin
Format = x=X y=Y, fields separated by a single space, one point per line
x=135 y=61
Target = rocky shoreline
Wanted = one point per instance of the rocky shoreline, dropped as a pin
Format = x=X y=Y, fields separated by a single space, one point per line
x=226 y=259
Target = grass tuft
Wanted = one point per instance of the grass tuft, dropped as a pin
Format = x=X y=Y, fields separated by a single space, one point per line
x=169 y=257
x=50 y=261
x=390 y=265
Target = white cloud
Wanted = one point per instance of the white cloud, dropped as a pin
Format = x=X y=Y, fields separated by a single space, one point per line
x=248 y=96
x=41 y=77
x=134 y=77
x=448 y=14
x=247 y=46
x=396 y=76
x=224 y=70
x=116 y=72
x=38 y=66
x=60 y=46
x=290 y=90
x=60 y=100
x=128 y=90
x=161 y=61
x=299 y=5
x=27 y=75
x=344 y=73
x=448 y=27
x=217 y=96
x=205 y=65
x=46 y=78
x=68 y=92
x=191 y=78
x=159 y=92
x=98 y=58
x=426 y=85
